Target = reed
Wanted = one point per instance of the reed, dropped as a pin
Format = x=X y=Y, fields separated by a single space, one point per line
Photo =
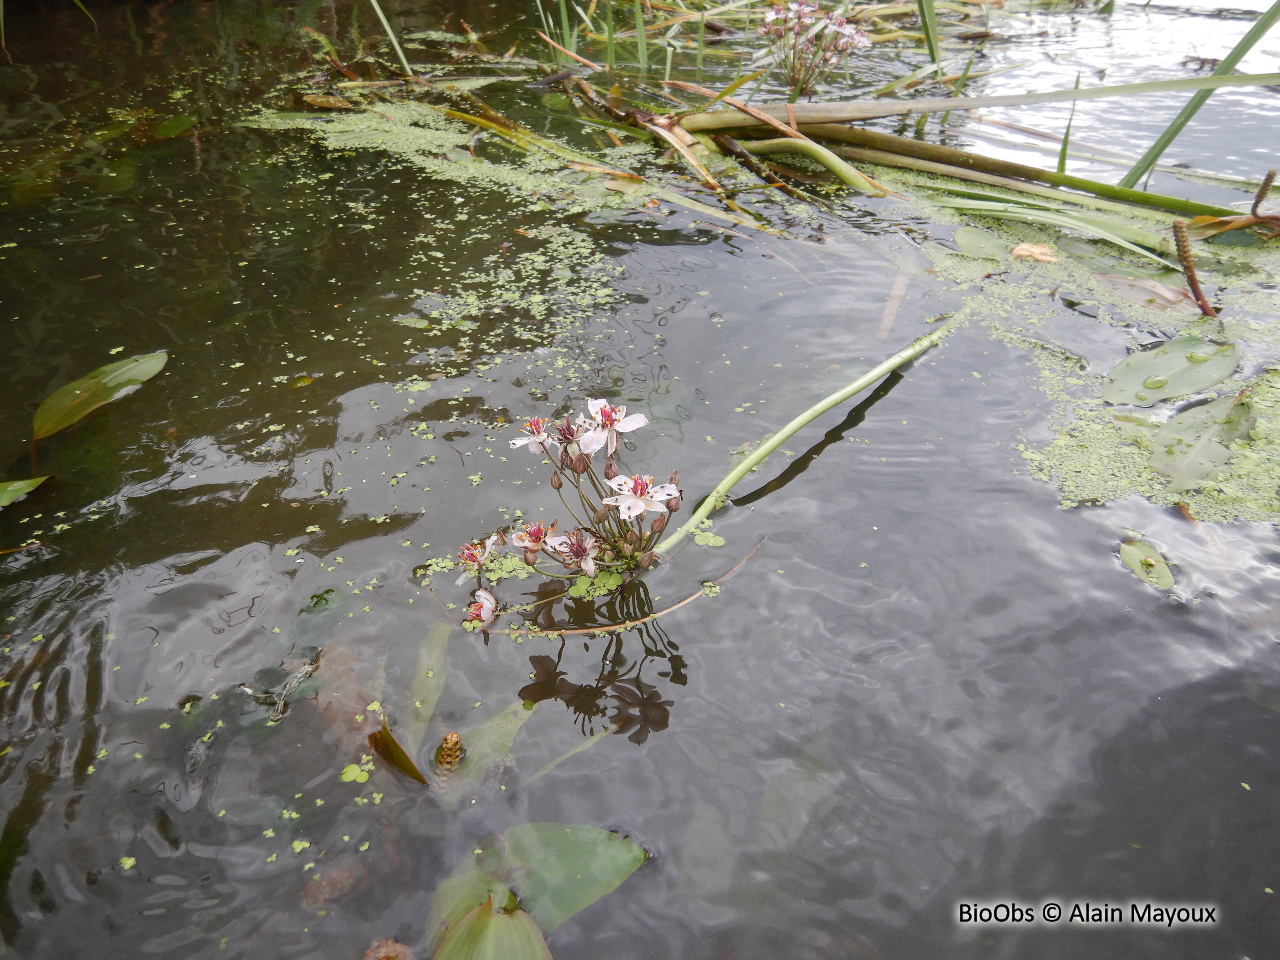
x=642 y=52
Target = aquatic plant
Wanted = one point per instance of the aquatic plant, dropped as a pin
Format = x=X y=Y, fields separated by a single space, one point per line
x=610 y=533
x=809 y=43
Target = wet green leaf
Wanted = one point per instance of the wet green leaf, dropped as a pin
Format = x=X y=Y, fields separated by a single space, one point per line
x=1147 y=563
x=13 y=489
x=1193 y=445
x=485 y=935
x=980 y=244
x=558 y=869
x=386 y=746
x=1172 y=369
x=174 y=126
x=1133 y=427
x=428 y=684
x=458 y=895
x=80 y=397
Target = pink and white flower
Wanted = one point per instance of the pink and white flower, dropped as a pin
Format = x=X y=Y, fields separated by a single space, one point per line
x=636 y=494
x=535 y=435
x=473 y=555
x=607 y=421
x=533 y=537
x=483 y=608
x=577 y=551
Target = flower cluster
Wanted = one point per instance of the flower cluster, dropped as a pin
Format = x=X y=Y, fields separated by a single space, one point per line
x=609 y=534
x=809 y=43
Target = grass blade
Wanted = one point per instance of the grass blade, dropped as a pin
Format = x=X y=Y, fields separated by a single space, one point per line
x=1228 y=64
x=1066 y=135
x=610 y=57
x=929 y=24
x=391 y=35
x=642 y=53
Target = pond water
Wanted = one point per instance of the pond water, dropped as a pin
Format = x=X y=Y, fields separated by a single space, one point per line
x=931 y=685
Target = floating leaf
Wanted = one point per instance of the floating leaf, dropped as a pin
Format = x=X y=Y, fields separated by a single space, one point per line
x=386 y=746
x=458 y=895
x=302 y=381
x=428 y=684
x=80 y=397
x=1172 y=369
x=1145 y=561
x=1148 y=292
x=13 y=489
x=485 y=935
x=1193 y=445
x=174 y=126
x=326 y=102
x=980 y=244
x=558 y=869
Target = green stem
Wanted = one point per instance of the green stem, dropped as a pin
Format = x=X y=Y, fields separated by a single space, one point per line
x=1225 y=68
x=719 y=495
x=392 y=37
x=814 y=151
x=928 y=152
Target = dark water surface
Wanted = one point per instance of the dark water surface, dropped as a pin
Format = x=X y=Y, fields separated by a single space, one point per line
x=930 y=686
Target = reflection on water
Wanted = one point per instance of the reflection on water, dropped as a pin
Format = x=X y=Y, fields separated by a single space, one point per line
x=930 y=684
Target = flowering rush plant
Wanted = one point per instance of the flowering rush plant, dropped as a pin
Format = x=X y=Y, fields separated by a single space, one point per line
x=809 y=43
x=617 y=519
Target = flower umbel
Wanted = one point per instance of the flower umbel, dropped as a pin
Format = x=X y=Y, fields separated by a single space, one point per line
x=473 y=556
x=637 y=493
x=607 y=421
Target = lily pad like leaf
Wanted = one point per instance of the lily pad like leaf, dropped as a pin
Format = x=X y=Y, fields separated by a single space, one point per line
x=458 y=895
x=980 y=244
x=1145 y=561
x=558 y=869
x=1148 y=292
x=80 y=397
x=386 y=746
x=485 y=935
x=1193 y=445
x=1172 y=369
x=11 y=490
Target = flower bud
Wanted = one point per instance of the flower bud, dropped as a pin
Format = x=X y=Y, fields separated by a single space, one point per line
x=674 y=478
x=607 y=556
x=601 y=515
x=659 y=523
x=556 y=482
x=610 y=471
x=673 y=504
x=633 y=538
x=565 y=459
x=581 y=463
x=649 y=560
x=530 y=557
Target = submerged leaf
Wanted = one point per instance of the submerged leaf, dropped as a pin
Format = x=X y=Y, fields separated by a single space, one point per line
x=428 y=684
x=559 y=869
x=1133 y=427
x=386 y=746
x=980 y=244
x=1147 y=563
x=485 y=935
x=485 y=744
x=1148 y=292
x=1172 y=369
x=80 y=397
x=174 y=126
x=11 y=490
x=1193 y=445
x=327 y=102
